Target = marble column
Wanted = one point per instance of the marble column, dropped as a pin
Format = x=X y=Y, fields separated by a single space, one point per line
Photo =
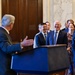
x=62 y=10
x=58 y=10
x=46 y=11
x=73 y=7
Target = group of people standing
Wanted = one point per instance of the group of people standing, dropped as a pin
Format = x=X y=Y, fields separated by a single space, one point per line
x=46 y=36
x=53 y=37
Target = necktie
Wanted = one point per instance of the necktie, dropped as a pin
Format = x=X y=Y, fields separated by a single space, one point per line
x=55 y=37
x=45 y=36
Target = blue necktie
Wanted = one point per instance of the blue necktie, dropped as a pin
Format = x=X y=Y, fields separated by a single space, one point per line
x=55 y=37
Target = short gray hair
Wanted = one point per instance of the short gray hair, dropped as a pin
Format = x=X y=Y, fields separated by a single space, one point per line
x=7 y=20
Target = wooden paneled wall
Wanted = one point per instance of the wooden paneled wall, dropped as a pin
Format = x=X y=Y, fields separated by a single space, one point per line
x=28 y=15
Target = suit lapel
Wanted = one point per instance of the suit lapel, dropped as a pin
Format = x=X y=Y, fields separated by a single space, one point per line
x=58 y=39
x=42 y=38
x=9 y=38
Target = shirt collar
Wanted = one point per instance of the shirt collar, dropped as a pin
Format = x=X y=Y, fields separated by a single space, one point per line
x=57 y=31
x=48 y=31
x=5 y=29
x=44 y=33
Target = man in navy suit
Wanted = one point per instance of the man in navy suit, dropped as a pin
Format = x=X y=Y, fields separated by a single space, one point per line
x=73 y=50
x=61 y=37
x=6 y=46
x=40 y=38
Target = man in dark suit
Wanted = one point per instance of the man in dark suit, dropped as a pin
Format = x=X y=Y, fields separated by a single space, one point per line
x=40 y=38
x=61 y=37
x=6 y=46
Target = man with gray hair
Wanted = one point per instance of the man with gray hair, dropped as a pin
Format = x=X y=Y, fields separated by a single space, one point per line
x=57 y=36
x=6 y=46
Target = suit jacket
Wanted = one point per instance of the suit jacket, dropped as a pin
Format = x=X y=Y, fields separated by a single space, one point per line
x=73 y=48
x=39 y=40
x=62 y=38
x=65 y=30
x=6 y=50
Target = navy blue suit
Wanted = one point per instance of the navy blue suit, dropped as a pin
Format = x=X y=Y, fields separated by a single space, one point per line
x=73 y=48
x=62 y=38
x=39 y=40
x=6 y=50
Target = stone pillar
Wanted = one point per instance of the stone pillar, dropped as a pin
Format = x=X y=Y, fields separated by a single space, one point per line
x=62 y=10
x=58 y=10
x=73 y=7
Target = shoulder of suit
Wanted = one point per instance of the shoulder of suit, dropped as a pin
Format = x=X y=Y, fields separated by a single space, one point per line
x=38 y=33
x=63 y=32
x=51 y=31
x=63 y=29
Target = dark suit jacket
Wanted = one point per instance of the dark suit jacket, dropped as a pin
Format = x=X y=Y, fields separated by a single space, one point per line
x=39 y=40
x=62 y=38
x=6 y=50
x=65 y=30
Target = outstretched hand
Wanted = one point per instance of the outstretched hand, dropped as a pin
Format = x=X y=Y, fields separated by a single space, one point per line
x=27 y=42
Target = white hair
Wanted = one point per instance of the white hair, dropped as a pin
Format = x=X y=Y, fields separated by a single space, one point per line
x=7 y=20
x=58 y=22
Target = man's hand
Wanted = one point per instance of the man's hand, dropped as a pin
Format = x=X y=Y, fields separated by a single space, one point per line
x=26 y=42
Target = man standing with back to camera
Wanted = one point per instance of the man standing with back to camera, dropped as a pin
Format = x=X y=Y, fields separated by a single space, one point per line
x=6 y=46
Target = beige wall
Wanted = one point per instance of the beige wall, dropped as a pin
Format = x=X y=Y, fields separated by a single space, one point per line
x=58 y=10
x=73 y=6
x=48 y=12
